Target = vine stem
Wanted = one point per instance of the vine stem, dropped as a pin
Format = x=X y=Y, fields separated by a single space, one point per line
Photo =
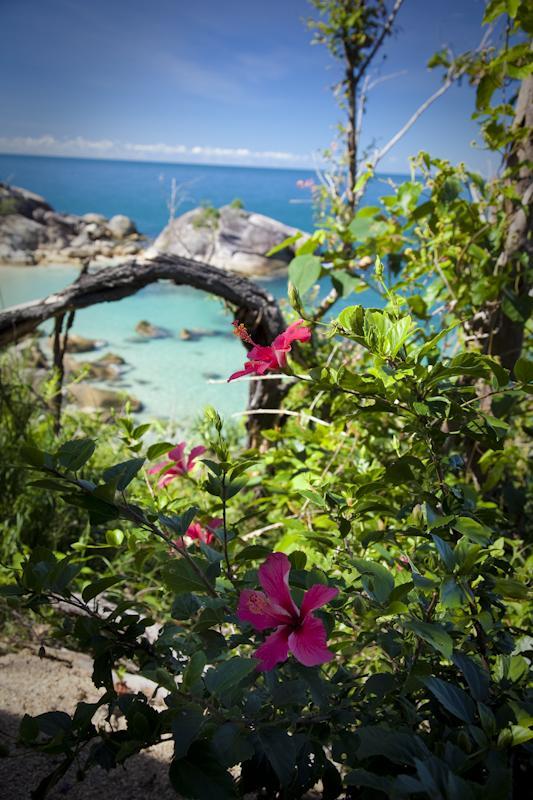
x=224 y=522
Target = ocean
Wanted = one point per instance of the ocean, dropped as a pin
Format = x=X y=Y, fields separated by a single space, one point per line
x=170 y=376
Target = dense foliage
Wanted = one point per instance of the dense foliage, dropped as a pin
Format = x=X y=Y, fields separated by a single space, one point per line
x=382 y=531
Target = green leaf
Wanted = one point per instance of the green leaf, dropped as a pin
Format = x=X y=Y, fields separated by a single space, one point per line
x=523 y=370
x=97 y=587
x=431 y=343
x=477 y=677
x=186 y=726
x=253 y=552
x=352 y=320
x=304 y=272
x=290 y=240
x=521 y=734
x=28 y=729
x=159 y=449
x=363 y=222
x=434 y=635
x=184 y=606
x=231 y=745
x=362 y=181
x=397 y=746
x=451 y=594
x=473 y=530
x=179 y=576
x=361 y=777
x=445 y=551
x=140 y=430
x=122 y=474
x=280 y=750
x=229 y=674
x=74 y=454
x=376 y=579
x=35 y=457
x=454 y=699
x=201 y=776
x=508 y=587
x=194 y=669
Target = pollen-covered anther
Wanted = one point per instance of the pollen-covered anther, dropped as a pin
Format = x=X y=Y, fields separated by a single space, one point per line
x=241 y=332
x=257 y=603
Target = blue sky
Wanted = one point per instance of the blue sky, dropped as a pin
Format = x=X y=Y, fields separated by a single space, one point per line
x=217 y=81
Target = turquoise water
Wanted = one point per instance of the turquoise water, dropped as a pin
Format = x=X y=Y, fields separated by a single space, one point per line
x=170 y=376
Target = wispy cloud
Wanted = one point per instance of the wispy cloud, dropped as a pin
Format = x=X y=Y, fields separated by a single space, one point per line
x=82 y=146
x=199 y=80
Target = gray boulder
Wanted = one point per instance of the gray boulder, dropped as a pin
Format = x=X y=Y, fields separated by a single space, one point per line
x=121 y=226
x=81 y=344
x=150 y=331
x=21 y=233
x=97 y=219
x=229 y=238
x=91 y=398
x=32 y=232
x=14 y=200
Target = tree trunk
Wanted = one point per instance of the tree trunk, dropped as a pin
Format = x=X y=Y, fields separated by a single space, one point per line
x=252 y=305
x=504 y=336
x=351 y=135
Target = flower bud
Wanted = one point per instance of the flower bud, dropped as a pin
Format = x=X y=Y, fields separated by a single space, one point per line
x=114 y=538
x=295 y=300
x=212 y=416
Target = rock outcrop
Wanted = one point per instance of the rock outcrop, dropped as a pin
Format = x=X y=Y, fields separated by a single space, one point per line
x=229 y=238
x=91 y=398
x=81 y=344
x=31 y=232
x=150 y=331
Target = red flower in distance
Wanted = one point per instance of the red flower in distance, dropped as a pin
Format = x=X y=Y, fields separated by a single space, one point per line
x=177 y=464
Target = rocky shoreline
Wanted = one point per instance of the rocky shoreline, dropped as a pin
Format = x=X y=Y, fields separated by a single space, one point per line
x=230 y=238
x=32 y=233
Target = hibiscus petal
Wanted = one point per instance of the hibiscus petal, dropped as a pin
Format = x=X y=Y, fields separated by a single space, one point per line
x=176 y=454
x=274 y=578
x=168 y=476
x=256 y=608
x=318 y=595
x=297 y=332
x=194 y=531
x=193 y=455
x=274 y=649
x=158 y=467
x=249 y=369
x=262 y=352
x=308 y=643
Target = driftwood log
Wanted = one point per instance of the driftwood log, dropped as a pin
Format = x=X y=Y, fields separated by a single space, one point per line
x=251 y=304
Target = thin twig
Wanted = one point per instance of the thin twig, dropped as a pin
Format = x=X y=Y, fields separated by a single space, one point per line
x=283 y=411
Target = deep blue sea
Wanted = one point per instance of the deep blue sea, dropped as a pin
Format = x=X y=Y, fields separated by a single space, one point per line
x=170 y=376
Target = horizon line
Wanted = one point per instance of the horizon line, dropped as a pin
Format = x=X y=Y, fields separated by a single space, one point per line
x=179 y=163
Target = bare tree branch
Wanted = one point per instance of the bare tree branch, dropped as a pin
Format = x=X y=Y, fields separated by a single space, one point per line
x=379 y=41
x=453 y=74
x=379 y=154
x=252 y=305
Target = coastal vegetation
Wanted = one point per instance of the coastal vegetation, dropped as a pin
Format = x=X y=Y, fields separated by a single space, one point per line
x=339 y=603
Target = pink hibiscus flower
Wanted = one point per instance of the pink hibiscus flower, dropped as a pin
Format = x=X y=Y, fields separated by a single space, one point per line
x=177 y=464
x=261 y=358
x=297 y=630
x=195 y=532
x=206 y=535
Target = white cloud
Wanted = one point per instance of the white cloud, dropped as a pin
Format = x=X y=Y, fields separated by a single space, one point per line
x=107 y=148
